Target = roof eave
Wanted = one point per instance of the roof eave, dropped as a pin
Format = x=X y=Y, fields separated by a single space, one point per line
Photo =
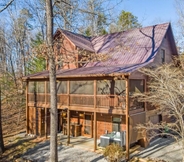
x=123 y=75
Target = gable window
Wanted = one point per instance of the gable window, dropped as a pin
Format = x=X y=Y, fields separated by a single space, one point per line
x=162 y=55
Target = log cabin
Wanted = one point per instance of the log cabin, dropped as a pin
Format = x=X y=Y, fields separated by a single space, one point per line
x=94 y=98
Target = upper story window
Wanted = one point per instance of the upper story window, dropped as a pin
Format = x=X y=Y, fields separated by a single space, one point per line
x=162 y=55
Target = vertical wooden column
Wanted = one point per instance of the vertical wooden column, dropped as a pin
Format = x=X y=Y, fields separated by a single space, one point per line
x=95 y=120
x=27 y=111
x=68 y=113
x=145 y=90
x=68 y=127
x=45 y=109
x=127 y=119
x=68 y=93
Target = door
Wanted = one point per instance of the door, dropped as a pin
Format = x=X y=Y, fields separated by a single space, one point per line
x=88 y=126
x=41 y=121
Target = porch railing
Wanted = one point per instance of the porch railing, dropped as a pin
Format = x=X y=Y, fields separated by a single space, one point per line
x=102 y=101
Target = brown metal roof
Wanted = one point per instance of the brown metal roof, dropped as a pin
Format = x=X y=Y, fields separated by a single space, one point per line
x=135 y=46
x=95 y=71
x=127 y=51
x=79 y=40
x=131 y=47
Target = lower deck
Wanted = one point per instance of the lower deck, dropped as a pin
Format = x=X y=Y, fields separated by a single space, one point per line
x=82 y=123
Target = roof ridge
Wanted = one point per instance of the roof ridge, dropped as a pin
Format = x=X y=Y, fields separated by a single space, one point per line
x=81 y=35
x=124 y=31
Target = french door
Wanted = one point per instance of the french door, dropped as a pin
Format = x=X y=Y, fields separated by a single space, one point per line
x=88 y=125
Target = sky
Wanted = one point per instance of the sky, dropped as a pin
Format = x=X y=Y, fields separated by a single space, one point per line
x=151 y=12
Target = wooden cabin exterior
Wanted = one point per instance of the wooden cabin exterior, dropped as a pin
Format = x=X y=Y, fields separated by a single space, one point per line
x=96 y=99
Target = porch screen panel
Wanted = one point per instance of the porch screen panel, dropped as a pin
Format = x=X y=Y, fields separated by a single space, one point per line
x=82 y=87
x=31 y=91
x=32 y=87
x=48 y=87
x=40 y=87
x=103 y=87
x=136 y=86
x=62 y=87
x=120 y=87
x=40 y=96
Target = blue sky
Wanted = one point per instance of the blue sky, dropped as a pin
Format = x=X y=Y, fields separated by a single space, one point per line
x=151 y=12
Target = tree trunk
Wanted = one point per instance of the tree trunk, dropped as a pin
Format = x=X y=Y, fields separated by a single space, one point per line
x=52 y=77
x=1 y=133
x=53 y=112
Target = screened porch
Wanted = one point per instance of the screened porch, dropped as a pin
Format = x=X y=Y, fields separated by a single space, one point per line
x=88 y=94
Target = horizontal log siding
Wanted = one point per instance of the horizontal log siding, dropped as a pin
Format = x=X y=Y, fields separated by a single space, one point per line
x=104 y=122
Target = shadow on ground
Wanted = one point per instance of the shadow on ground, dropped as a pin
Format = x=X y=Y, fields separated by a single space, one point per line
x=78 y=151
x=16 y=148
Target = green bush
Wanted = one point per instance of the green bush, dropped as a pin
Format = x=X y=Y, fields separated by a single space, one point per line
x=114 y=153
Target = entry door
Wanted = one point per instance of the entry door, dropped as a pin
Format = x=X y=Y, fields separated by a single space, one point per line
x=88 y=126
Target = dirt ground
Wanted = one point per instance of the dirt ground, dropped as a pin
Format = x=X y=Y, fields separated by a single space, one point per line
x=17 y=145
x=37 y=149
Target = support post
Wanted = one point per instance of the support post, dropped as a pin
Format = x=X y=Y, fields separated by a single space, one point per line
x=45 y=109
x=46 y=123
x=68 y=112
x=68 y=127
x=127 y=119
x=145 y=90
x=68 y=93
x=27 y=111
x=95 y=120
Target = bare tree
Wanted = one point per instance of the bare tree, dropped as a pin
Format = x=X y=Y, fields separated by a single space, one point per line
x=1 y=132
x=180 y=23
x=166 y=95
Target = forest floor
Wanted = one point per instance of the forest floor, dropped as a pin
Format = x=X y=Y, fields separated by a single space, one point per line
x=17 y=145
x=13 y=126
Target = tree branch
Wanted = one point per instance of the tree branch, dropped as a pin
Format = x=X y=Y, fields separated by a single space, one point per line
x=8 y=4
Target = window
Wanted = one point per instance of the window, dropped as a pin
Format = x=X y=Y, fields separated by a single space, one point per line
x=116 y=123
x=136 y=86
x=162 y=55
